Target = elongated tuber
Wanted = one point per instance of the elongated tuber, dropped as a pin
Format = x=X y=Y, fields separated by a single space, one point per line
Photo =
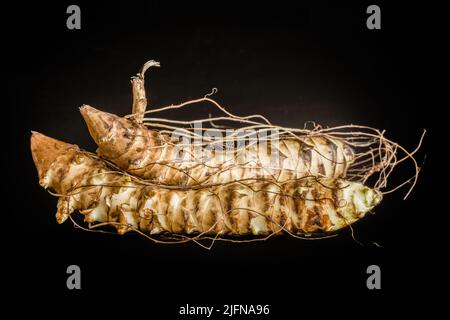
x=304 y=206
x=151 y=155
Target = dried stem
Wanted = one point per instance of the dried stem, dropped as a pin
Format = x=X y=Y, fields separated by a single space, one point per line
x=138 y=89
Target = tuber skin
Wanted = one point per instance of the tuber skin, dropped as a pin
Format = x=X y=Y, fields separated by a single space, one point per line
x=150 y=155
x=87 y=184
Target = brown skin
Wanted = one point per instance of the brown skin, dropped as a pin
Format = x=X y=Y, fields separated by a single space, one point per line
x=46 y=150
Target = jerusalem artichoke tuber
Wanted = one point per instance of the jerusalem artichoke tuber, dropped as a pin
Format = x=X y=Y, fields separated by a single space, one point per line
x=303 y=206
x=151 y=155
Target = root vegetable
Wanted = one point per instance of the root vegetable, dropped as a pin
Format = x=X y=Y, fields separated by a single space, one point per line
x=304 y=206
x=299 y=181
x=152 y=155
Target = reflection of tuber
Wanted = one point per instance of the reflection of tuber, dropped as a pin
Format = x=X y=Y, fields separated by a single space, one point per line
x=102 y=195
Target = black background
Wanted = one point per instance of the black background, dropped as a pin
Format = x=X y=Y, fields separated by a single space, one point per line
x=291 y=63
